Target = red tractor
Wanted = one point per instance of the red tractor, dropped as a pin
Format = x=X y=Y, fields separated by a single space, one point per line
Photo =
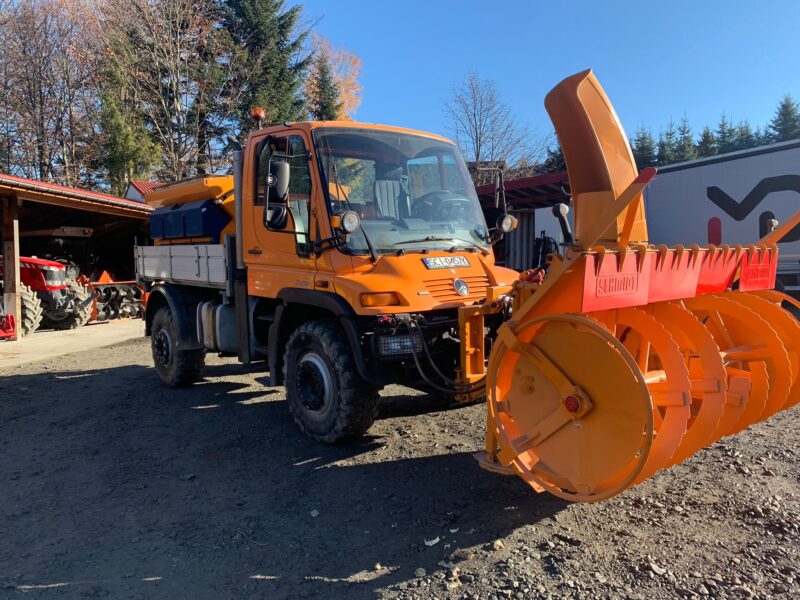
x=48 y=298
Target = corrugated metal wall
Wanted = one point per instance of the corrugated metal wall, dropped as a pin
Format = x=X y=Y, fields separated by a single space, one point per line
x=519 y=243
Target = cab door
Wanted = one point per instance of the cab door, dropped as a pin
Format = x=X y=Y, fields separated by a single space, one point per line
x=278 y=252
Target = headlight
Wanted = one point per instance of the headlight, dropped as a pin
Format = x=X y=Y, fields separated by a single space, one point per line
x=398 y=345
x=506 y=223
x=347 y=222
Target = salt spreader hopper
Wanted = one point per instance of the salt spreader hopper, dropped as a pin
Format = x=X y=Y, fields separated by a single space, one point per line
x=626 y=357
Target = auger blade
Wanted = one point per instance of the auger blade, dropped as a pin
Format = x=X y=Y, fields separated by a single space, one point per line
x=709 y=380
x=749 y=344
x=582 y=431
x=662 y=365
x=785 y=326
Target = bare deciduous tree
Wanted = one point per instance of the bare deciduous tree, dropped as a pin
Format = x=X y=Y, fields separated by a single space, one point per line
x=485 y=129
x=48 y=100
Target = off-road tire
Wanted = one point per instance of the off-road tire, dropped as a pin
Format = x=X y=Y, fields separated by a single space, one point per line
x=176 y=368
x=81 y=309
x=30 y=309
x=353 y=402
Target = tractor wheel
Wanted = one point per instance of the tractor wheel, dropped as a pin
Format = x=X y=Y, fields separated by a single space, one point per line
x=30 y=310
x=177 y=368
x=81 y=309
x=327 y=397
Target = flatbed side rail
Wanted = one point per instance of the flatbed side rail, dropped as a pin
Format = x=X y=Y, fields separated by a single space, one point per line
x=188 y=264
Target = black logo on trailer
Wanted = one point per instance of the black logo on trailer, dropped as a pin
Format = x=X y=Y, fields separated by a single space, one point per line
x=765 y=187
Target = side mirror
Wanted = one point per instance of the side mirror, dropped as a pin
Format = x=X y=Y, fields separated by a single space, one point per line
x=276 y=215
x=278 y=181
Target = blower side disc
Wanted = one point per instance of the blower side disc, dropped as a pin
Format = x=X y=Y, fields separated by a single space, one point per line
x=572 y=410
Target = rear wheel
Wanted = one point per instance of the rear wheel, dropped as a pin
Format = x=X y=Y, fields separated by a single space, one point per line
x=327 y=397
x=79 y=313
x=176 y=367
x=30 y=310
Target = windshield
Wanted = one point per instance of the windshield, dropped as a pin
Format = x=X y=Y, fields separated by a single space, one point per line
x=412 y=192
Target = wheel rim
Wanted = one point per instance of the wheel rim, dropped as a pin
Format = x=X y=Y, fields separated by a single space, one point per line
x=163 y=347
x=314 y=383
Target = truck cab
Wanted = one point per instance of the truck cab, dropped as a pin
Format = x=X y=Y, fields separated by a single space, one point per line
x=348 y=253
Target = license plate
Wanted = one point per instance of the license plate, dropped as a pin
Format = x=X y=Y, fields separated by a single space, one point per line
x=446 y=262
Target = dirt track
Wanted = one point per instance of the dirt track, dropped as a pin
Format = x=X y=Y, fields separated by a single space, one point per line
x=113 y=486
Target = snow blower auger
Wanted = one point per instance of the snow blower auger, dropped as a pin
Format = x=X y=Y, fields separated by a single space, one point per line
x=626 y=357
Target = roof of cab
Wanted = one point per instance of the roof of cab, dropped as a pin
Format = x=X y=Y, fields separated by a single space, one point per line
x=311 y=125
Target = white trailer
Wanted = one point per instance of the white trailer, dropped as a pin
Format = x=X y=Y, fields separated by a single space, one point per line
x=730 y=199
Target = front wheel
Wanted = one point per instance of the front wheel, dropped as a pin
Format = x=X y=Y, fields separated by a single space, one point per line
x=80 y=310
x=327 y=397
x=176 y=367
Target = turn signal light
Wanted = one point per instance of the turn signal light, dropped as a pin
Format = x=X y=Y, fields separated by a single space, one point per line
x=380 y=299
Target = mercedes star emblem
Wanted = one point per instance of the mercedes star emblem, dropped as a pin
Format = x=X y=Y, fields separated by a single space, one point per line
x=461 y=287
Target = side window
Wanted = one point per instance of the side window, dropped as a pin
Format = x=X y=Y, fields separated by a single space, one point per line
x=267 y=148
x=293 y=151
x=299 y=188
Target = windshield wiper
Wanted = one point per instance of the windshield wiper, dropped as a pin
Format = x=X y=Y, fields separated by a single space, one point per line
x=373 y=255
x=433 y=238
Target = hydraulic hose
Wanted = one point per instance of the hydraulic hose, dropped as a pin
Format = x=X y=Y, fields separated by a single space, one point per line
x=460 y=388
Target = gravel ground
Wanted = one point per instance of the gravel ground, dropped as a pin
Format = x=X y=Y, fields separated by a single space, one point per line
x=113 y=486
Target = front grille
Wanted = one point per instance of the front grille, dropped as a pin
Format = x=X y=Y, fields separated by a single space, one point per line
x=443 y=291
x=53 y=276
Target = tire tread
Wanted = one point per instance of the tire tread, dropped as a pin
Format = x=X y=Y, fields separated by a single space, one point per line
x=358 y=399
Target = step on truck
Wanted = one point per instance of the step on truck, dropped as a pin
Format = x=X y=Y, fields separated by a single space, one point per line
x=351 y=256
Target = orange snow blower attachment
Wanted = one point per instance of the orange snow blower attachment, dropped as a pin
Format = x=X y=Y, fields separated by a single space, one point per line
x=628 y=357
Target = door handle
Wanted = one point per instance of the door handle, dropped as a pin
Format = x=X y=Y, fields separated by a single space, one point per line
x=254 y=251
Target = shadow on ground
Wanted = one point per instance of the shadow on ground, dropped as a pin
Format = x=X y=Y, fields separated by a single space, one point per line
x=114 y=485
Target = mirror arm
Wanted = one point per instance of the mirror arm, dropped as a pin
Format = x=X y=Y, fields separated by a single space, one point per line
x=327 y=244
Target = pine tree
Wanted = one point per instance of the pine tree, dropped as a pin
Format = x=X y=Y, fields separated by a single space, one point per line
x=644 y=148
x=554 y=163
x=667 y=145
x=127 y=149
x=274 y=64
x=345 y=70
x=763 y=137
x=744 y=137
x=725 y=135
x=785 y=125
x=707 y=144
x=322 y=91
x=684 y=148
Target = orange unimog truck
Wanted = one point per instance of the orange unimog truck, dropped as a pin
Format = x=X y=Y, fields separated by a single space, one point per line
x=339 y=253
x=351 y=256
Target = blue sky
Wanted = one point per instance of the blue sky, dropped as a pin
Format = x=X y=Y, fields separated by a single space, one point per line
x=655 y=60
